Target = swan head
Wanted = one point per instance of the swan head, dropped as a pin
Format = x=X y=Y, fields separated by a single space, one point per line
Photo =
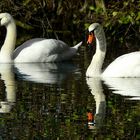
x=93 y=27
x=96 y=32
x=5 y=19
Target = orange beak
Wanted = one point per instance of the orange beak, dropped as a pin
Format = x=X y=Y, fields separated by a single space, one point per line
x=91 y=38
x=90 y=116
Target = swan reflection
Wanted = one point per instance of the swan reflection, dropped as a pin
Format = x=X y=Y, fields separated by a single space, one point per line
x=7 y=75
x=97 y=91
x=129 y=87
x=51 y=73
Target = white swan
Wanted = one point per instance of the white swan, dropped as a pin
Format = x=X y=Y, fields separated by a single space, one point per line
x=34 y=50
x=127 y=65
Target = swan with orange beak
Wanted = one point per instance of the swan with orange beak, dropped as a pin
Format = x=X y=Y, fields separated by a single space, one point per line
x=127 y=65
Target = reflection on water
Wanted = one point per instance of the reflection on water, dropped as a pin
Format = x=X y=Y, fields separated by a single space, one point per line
x=97 y=91
x=51 y=73
x=7 y=76
x=125 y=86
x=52 y=101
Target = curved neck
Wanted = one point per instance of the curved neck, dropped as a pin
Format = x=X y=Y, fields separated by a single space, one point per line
x=95 y=67
x=9 y=43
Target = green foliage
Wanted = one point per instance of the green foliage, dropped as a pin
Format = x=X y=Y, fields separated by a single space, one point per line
x=120 y=18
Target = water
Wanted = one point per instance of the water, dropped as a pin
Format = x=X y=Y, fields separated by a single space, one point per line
x=52 y=101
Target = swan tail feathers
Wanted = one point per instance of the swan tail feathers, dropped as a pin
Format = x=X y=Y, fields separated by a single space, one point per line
x=78 y=45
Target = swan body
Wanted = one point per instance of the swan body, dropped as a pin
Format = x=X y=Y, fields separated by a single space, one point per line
x=124 y=66
x=44 y=50
x=127 y=65
x=34 y=50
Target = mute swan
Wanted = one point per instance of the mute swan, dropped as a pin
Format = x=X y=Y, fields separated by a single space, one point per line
x=34 y=50
x=127 y=65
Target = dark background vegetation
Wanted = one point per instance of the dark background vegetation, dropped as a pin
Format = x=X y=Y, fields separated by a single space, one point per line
x=70 y=19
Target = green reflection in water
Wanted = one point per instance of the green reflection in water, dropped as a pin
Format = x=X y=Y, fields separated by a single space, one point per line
x=59 y=111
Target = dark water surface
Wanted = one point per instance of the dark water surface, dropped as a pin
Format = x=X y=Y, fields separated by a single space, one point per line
x=57 y=101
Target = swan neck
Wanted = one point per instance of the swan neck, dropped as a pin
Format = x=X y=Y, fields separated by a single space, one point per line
x=95 y=67
x=10 y=39
x=100 y=42
x=9 y=43
x=99 y=56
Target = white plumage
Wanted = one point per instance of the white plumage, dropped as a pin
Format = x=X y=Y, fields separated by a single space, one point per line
x=127 y=65
x=34 y=50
